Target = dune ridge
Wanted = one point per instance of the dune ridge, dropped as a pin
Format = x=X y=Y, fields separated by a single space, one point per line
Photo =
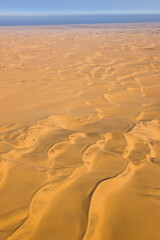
x=80 y=132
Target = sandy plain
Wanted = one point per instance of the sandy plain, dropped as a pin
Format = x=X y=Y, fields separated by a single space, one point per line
x=80 y=132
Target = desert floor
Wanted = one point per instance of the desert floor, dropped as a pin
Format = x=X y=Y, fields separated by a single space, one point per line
x=80 y=132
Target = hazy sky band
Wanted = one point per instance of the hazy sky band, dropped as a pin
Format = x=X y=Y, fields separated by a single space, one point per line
x=37 y=7
x=77 y=19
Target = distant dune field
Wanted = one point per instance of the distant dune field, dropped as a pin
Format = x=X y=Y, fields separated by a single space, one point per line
x=80 y=132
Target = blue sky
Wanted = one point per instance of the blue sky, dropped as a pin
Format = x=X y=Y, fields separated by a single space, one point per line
x=40 y=7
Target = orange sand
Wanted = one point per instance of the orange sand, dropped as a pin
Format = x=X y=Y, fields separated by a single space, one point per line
x=80 y=132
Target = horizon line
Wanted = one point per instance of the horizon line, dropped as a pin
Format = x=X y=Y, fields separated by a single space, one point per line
x=27 y=14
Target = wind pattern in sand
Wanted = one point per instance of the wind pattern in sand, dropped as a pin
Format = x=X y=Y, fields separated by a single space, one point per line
x=80 y=132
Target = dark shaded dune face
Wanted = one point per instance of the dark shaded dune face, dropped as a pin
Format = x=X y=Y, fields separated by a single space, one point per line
x=80 y=133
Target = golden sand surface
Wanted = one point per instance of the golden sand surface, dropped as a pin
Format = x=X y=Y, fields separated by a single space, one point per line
x=80 y=132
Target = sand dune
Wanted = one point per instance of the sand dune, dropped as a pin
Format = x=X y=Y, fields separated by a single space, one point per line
x=80 y=132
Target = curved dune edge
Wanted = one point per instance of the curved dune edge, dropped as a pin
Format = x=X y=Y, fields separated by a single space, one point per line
x=80 y=133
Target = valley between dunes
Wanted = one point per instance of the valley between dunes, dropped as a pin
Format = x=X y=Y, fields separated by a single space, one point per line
x=80 y=132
